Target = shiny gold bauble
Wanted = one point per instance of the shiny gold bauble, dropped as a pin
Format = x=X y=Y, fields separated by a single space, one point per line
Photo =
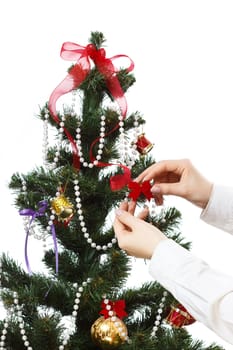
x=109 y=334
x=63 y=208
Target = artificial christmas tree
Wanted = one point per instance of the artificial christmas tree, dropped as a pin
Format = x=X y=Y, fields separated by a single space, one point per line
x=81 y=300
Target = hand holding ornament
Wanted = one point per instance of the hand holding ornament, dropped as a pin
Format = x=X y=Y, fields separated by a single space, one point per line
x=136 y=236
x=179 y=178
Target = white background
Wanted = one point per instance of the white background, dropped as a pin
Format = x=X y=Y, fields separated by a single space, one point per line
x=184 y=70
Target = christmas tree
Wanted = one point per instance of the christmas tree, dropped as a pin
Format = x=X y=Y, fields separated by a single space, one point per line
x=81 y=299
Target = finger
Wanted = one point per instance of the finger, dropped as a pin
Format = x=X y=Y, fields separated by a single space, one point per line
x=166 y=188
x=147 y=174
x=123 y=205
x=143 y=213
x=117 y=224
x=132 y=207
x=157 y=194
x=159 y=168
x=159 y=200
x=127 y=219
x=119 y=227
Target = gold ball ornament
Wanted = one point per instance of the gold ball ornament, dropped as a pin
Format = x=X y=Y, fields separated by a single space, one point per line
x=63 y=208
x=109 y=334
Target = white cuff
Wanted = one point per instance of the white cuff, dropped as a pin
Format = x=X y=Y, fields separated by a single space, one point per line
x=219 y=210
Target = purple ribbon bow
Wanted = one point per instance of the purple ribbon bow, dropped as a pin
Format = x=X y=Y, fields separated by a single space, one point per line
x=42 y=206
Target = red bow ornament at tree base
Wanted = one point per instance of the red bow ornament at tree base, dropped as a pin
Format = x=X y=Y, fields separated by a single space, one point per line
x=118 y=308
x=179 y=317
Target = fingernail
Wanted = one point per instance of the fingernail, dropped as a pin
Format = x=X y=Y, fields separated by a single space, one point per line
x=155 y=189
x=118 y=212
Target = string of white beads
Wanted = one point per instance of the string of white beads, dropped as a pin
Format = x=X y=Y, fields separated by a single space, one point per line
x=114 y=319
x=73 y=102
x=45 y=143
x=134 y=152
x=127 y=150
x=82 y=222
x=4 y=330
x=26 y=219
x=78 y=295
x=100 y=146
x=16 y=311
x=45 y=138
x=20 y=321
x=158 y=316
x=152 y=207
x=52 y=217
x=5 y=325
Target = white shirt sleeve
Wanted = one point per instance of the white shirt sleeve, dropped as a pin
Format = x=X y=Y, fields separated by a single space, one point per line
x=219 y=210
x=205 y=292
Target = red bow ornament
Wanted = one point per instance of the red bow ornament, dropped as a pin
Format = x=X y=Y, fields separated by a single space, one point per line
x=137 y=189
x=118 y=307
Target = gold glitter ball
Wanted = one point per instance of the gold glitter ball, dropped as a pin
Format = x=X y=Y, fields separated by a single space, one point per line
x=109 y=334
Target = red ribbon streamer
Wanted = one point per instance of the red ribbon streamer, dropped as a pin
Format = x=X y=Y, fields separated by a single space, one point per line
x=139 y=188
x=77 y=74
x=118 y=307
x=119 y=181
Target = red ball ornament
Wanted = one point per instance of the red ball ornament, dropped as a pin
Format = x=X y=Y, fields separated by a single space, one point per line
x=179 y=317
x=143 y=144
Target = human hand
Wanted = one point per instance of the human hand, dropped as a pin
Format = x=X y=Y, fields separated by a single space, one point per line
x=136 y=236
x=179 y=178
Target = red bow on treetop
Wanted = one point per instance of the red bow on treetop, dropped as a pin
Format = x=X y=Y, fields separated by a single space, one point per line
x=77 y=74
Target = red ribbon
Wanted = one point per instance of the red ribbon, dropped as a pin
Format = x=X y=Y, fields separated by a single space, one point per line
x=139 y=188
x=119 y=181
x=77 y=74
x=118 y=307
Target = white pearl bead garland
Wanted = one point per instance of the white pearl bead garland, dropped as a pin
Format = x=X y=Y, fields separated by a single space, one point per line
x=152 y=207
x=83 y=225
x=4 y=330
x=16 y=312
x=100 y=146
x=128 y=150
x=46 y=143
x=45 y=138
x=78 y=295
x=158 y=316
